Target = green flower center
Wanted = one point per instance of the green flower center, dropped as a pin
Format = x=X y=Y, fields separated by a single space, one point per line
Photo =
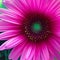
x=36 y=27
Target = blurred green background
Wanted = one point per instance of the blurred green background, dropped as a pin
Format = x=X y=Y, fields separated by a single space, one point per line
x=1 y=5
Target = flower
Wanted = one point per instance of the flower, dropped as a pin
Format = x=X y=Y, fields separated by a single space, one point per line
x=31 y=28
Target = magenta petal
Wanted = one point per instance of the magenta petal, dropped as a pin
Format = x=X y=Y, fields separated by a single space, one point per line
x=8 y=34
x=37 y=54
x=38 y=3
x=17 y=51
x=5 y=26
x=53 y=52
x=44 y=3
x=30 y=4
x=56 y=29
x=32 y=53
x=27 y=53
x=22 y=5
x=45 y=53
x=10 y=5
x=4 y=23
x=9 y=12
x=9 y=19
x=12 y=43
x=53 y=5
x=51 y=57
x=55 y=44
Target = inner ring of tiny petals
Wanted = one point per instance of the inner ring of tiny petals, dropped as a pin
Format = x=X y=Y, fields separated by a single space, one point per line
x=44 y=24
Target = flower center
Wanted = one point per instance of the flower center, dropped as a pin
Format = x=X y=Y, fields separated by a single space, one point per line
x=36 y=27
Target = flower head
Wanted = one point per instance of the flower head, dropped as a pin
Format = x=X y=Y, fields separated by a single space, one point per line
x=31 y=28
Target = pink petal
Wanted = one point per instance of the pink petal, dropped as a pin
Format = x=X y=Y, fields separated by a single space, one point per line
x=58 y=56
x=55 y=44
x=53 y=5
x=43 y=4
x=27 y=53
x=32 y=53
x=17 y=51
x=56 y=28
x=51 y=57
x=46 y=4
x=30 y=4
x=37 y=55
x=55 y=22
x=4 y=23
x=10 y=13
x=34 y=3
x=9 y=4
x=22 y=5
x=8 y=34
x=45 y=53
x=53 y=52
x=13 y=42
x=4 y=26
x=10 y=19
x=57 y=12
x=38 y=3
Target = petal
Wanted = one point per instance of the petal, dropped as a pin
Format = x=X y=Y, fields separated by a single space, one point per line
x=53 y=52
x=54 y=42
x=53 y=5
x=43 y=4
x=9 y=4
x=57 y=12
x=56 y=27
x=10 y=13
x=32 y=53
x=31 y=3
x=17 y=51
x=10 y=19
x=4 y=26
x=38 y=3
x=51 y=57
x=21 y=4
x=13 y=42
x=28 y=53
x=4 y=23
x=56 y=31
x=37 y=55
x=45 y=53
x=9 y=34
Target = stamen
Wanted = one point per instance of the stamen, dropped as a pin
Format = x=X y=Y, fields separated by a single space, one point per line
x=37 y=28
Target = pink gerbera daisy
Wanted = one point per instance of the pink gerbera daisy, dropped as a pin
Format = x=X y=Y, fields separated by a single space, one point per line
x=31 y=28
